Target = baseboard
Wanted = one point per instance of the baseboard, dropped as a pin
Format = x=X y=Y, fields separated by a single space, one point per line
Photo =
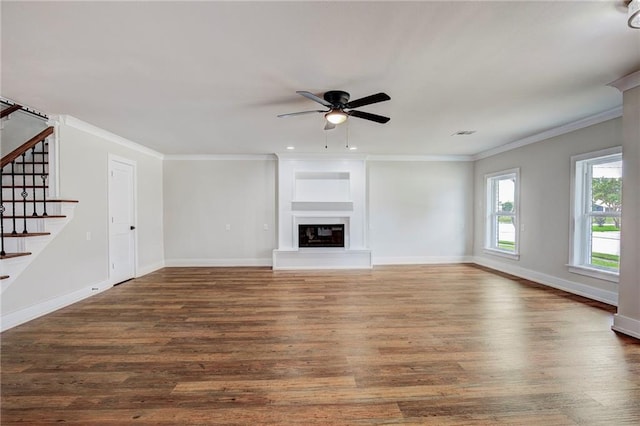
x=32 y=312
x=605 y=296
x=218 y=262
x=147 y=269
x=421 y=260
x=626 y=325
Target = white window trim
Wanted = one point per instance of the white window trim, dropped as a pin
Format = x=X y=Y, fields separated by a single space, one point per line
x=488 y=223
x=601 y=274
x=576 y=246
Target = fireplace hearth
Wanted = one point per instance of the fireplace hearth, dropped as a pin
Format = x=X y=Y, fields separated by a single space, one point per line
x=321 y=235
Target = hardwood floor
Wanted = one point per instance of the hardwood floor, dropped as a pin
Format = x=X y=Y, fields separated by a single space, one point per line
x=446 y=345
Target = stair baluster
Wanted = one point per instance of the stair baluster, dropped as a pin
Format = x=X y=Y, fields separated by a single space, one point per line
x=44 y=181
x=2 y=252
x=13 y=198
x=24 y=195
x=33 y=178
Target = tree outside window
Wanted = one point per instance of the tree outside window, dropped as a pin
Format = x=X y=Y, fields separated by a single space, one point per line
x=597 y=206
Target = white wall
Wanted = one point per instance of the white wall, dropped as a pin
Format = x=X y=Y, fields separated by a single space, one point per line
x=70 y=266
x=203 y=196
x=18 y=128
x=545 y=208
x=420 y=211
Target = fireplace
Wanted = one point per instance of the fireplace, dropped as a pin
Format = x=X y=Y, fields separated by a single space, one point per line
x=322 y=204
x=321 y=235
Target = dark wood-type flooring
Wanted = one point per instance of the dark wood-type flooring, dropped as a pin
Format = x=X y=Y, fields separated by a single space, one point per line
x=452 y=344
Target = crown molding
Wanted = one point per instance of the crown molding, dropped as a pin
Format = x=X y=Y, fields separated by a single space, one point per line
x=97 y=131
x=320 y=156
x=551 y=133
x=287 y=156
x=627 y=82
x=220 y=157
x=432 y=158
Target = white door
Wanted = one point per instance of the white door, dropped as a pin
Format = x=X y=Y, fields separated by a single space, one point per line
x=122 y=220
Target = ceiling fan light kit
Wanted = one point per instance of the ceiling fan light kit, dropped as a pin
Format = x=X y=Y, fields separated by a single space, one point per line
x=634 y=14
x=336 y=116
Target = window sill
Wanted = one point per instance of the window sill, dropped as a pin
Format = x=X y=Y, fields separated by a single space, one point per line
x=501 y=253
x=594 y=273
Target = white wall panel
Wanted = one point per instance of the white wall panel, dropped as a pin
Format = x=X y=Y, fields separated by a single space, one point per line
x=420 y=212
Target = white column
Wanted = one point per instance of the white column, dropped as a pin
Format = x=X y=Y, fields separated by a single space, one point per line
x=627 y=320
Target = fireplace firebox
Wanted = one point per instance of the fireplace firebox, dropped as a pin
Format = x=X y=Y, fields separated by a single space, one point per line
x=321 y=235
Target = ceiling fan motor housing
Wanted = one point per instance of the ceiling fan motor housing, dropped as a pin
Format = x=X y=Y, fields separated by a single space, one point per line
x=337 y=97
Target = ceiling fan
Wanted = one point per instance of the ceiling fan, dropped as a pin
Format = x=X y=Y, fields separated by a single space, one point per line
x=338 y=101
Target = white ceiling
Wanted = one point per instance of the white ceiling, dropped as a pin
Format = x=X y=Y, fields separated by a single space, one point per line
x=210 y=77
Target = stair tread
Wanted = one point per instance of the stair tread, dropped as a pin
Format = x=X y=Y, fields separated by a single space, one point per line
x=30 y=234
x=26 y=174
x=30 y=200
x=54 y=216
x=12 y=255
x=25 y=186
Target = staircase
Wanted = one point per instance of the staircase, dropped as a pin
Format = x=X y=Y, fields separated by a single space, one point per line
x=30 y=219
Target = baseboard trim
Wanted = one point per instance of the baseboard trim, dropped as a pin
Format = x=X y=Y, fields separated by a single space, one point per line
x=32 y=312
x=605 y=296
x=421 y=260
x=147 y=269
x=626 y=325
x=217 y=262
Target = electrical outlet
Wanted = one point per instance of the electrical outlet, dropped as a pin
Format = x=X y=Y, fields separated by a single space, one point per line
x=227 y=227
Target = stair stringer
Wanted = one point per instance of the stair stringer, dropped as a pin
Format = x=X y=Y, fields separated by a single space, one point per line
x=13 y=267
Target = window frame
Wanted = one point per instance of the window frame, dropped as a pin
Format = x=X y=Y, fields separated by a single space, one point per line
x=582 y=213
x=491 y=216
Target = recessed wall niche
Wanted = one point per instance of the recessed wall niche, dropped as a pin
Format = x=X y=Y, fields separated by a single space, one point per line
x=320 y=190
x=322 y=186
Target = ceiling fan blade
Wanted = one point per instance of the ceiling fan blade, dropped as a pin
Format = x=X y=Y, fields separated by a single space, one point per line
x=368 y=100
x=329 y=126
x=369 y=116
x=291 y=114
x=313 y=97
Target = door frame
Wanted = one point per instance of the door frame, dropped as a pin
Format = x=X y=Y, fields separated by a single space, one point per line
x=132 y=163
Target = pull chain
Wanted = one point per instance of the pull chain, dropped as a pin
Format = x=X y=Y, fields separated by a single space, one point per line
x=347 y=134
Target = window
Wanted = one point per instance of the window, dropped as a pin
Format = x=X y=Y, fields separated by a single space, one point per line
x=597 y=203
x=502 y=213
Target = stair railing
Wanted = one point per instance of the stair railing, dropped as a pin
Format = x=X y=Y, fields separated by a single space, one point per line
x=10 y=110
x=38 y=146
